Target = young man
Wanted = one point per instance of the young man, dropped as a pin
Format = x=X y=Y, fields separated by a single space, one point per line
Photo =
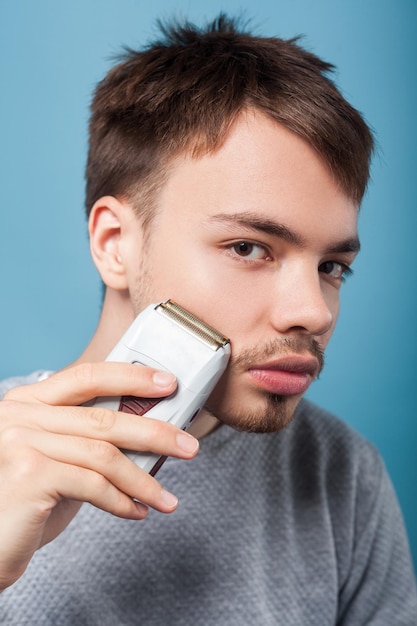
x=225 y=172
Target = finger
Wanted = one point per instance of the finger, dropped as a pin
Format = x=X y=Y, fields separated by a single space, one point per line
x=85 y=381
x=73 y=482
x=104 y=459
x=124 y=430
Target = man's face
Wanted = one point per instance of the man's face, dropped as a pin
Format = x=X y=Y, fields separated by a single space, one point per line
x=254 y=239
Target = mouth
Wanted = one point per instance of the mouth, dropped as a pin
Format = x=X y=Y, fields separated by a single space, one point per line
x=289 y=376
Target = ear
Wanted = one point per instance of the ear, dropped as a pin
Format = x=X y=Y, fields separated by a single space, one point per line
x=105 y=231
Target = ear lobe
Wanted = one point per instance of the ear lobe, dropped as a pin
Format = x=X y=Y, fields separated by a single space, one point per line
x=105 y=231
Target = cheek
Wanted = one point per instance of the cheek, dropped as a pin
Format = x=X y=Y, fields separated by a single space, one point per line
x=199 y=281
x=217 y=299
x=333 y=303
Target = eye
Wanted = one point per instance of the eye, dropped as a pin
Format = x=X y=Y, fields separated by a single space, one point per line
x=338 y=271
x=249 y=250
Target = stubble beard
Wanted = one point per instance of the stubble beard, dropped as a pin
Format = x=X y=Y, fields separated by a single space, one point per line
x=272 y=413
x=268 y=412
x=264 y=412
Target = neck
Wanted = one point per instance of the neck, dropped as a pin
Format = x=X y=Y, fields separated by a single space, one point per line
x=116 y=315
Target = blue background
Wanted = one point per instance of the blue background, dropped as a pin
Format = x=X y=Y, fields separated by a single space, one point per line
x=53 y=52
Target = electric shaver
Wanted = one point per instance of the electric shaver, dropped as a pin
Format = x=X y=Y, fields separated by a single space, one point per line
x=167 y=337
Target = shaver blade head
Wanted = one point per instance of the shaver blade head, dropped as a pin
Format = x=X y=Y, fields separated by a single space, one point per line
x=193 y=324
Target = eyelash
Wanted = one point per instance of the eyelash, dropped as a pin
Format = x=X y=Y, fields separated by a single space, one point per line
x=345 y=270
x=233 y=250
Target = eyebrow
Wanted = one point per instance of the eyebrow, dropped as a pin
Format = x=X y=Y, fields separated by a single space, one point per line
x=253 y=221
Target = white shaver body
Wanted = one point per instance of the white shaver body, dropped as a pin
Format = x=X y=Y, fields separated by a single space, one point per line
x=167 y=337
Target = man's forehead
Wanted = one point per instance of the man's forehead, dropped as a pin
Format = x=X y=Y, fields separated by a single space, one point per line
x=265 y=177
x=253 y=136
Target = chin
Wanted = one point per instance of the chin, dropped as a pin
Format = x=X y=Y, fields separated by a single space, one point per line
x=270 y=414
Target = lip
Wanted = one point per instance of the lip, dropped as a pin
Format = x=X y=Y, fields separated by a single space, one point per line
x=287 y=376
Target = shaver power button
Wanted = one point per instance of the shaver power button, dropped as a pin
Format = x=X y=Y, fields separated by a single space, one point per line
x=137 y=406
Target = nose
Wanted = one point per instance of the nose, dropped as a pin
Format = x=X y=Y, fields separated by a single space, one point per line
x=302 y=303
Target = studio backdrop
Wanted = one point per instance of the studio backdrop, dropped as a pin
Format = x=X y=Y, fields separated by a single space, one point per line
x=53 y=53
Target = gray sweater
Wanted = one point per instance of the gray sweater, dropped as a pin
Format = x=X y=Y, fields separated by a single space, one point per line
x=295 y=528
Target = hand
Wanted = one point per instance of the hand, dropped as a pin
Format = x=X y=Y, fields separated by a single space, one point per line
x=55 y=454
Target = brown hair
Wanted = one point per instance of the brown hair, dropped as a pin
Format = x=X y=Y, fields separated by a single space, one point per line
x=183 y=92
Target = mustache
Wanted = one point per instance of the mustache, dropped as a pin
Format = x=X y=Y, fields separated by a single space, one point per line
x=281 y=346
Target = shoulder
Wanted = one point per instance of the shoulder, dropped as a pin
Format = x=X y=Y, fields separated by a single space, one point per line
x=336 y=468
x=347 y=466
x=16 y=381
x=369 y=537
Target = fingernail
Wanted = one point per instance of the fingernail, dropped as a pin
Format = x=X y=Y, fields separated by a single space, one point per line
x=187 y=443
x=168 y=498
x=141 y=508
x=163 y=379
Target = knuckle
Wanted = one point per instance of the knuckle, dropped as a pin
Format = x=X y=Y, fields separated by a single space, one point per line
x=27 y=466
x=159 y=428
x=120 y=505
x=13 y=394
x=25 y=463
x=99 y=483
x=84 y=374
x=11 y=437
x=101 y=419
x=135 y=372
x=31 y=463
x=144 y=491
x=103 y=451
x=8 y=395
x=155 y=431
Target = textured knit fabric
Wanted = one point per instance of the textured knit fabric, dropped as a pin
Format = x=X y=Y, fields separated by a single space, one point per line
x=295 y=528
